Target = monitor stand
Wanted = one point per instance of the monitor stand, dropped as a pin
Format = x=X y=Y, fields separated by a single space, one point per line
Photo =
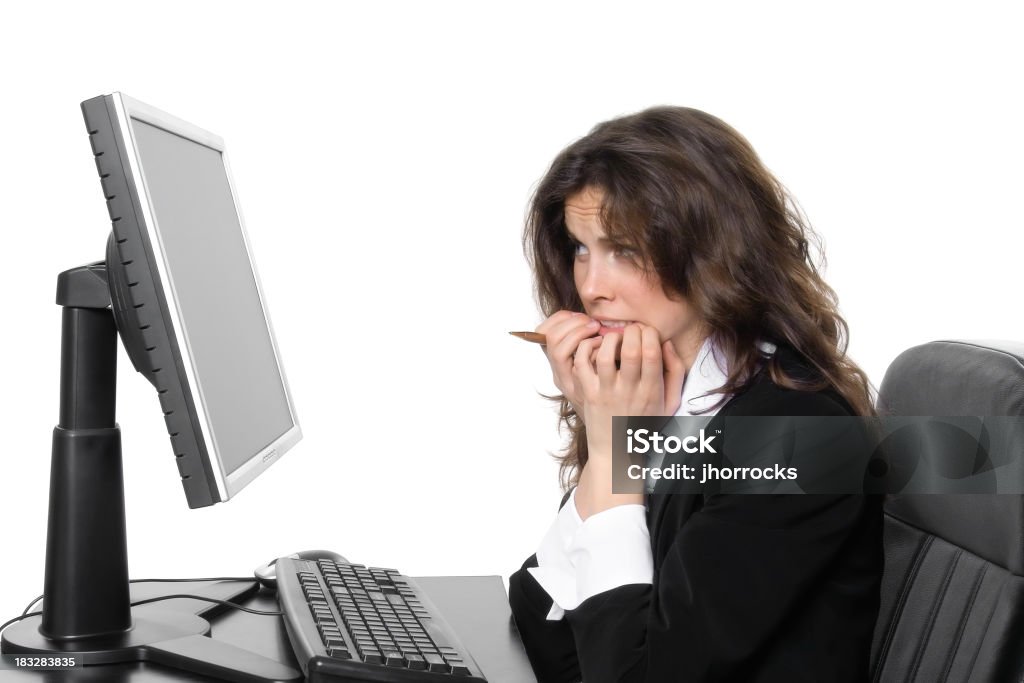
x=86 y=607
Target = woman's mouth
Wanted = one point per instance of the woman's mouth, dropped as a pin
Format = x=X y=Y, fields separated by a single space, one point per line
x=608 y=326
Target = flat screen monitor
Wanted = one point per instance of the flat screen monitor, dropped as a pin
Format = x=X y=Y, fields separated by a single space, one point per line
x=187 y=298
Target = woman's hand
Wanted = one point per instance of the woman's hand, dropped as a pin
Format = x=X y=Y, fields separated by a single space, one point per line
x=564 y=331
x=646 y=380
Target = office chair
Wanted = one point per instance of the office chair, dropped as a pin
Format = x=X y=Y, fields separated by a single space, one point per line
x=953 y=589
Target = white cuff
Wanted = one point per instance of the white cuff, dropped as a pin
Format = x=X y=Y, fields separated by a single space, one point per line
x=578 y=559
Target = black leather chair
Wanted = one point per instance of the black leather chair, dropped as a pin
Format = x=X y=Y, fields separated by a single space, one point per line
x=953 y=589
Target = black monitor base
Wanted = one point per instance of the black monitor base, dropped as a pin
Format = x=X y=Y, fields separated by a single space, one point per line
x=86 y=605
x=161 y=636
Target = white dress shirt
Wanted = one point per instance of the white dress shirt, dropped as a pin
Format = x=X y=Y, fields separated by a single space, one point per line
x=578 y=559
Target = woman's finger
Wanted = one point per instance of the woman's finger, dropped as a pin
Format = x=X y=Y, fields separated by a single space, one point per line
x=583 y=371
x=675 y=374
x=651 y=371
x=607 y=355
x=631 y=354
x=554 y=320
x=562 y=322
x=564 y=331
x=564 y=337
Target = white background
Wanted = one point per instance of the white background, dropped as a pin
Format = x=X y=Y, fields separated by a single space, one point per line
x=384 y=158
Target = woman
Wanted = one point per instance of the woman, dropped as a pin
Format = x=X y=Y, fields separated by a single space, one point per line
x=677 y=279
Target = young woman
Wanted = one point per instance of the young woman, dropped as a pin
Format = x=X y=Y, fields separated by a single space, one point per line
x=677 y=279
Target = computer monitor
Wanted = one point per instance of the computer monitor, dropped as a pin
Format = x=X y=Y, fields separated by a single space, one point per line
x=180 y=290
x=193 y=315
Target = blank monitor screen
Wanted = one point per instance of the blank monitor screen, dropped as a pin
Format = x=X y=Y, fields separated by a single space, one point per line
x=215 y=290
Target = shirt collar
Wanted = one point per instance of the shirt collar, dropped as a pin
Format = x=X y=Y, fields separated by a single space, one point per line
x=707 y=374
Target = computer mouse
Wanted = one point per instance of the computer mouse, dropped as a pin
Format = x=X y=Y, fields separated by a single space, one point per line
x=267 y=574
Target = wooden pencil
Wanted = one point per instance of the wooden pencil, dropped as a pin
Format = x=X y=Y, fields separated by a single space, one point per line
x=533 y=337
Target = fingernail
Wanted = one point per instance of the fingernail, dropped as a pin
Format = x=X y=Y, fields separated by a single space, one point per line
x=593 y=323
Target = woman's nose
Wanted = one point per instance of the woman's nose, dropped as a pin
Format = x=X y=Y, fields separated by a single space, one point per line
x=595 y=283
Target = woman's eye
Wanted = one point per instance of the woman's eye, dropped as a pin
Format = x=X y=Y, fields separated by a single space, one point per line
x=626 y=252
x=579 y=249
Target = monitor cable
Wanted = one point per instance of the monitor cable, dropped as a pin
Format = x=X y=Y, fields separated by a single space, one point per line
x=266 y=613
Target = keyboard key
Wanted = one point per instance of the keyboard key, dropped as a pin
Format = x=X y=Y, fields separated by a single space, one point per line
x=393 y=658
x=435 y=663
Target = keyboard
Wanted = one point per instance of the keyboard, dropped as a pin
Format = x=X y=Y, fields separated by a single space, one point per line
x=351 y=623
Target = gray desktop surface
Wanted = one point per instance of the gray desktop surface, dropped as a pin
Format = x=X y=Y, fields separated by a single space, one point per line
x=476 y=607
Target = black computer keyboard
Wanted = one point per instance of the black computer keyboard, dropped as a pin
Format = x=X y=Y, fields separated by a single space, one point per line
x=351 y=623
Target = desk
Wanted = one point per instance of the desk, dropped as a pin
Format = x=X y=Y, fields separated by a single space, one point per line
x=475 y=606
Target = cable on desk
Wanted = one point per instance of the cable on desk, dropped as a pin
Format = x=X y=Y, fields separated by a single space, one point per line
x=211 y=578
x=262 y=613
x=30 y=606
x=23 y=616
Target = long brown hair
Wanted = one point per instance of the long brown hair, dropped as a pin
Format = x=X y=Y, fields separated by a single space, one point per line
x=689 y=193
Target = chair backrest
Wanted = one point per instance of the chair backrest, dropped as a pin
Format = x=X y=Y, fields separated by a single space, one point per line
x=953 y=589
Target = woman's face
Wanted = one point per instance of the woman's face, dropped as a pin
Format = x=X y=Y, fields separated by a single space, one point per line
x=612 y=284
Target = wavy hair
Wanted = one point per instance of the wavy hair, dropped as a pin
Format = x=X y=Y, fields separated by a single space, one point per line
x=689 y=193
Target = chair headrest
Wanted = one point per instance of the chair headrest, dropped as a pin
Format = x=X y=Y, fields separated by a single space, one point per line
x=961 y=378
x=955 y=378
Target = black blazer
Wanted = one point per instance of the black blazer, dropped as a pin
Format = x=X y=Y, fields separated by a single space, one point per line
x=747 y=588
